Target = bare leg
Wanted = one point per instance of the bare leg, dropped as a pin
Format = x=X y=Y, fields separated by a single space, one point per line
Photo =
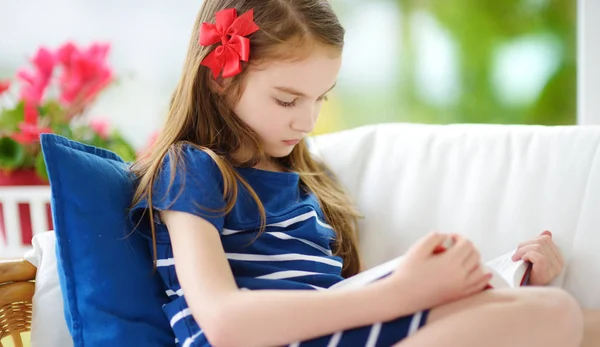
x=591 y=324
x=518 y=318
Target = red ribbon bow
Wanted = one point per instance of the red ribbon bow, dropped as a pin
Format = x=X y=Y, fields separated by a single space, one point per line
x=230 y=30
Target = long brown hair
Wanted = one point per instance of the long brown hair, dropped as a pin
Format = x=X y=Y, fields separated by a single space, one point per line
x=200 y=116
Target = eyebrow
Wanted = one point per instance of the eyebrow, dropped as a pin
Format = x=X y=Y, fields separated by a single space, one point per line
x=299 y=93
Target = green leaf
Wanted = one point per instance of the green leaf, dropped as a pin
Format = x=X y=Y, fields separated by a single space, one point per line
x=40 y=166
x=10 y=118
x=120 y=146
x=57 y=114
x=123 y=150
x=12 y=154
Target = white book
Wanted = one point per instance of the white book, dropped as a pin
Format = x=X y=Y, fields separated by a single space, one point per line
x=506 y=273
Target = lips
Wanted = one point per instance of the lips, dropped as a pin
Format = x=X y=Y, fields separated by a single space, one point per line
x=291 y=142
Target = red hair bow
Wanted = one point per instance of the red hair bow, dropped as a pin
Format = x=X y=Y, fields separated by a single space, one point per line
x=230 y=30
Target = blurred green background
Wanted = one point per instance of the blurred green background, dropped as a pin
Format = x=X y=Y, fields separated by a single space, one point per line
x=459 y=61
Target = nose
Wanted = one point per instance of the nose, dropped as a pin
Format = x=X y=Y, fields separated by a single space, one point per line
x=304 y=121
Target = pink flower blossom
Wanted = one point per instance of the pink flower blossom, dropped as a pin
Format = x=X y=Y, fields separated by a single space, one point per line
x=65 y=52
x=4 y=86
x=85 y=72
x=35 y=82
x=29 y=133
x=31 y=113
x=100 y=127
x=44 y=61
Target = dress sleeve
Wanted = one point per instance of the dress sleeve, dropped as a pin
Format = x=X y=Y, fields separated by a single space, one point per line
x=190 y=183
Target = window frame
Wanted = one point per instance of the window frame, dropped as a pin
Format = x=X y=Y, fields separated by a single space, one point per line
x=588 y=62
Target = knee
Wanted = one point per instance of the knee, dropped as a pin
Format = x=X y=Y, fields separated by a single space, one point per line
x=560 y=311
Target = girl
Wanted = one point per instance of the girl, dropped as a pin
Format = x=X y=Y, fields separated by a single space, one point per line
x=248 y=230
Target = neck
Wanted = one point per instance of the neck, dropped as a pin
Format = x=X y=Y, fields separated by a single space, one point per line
x=269 y=165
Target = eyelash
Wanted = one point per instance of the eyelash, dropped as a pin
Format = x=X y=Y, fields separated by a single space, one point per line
x=285 y=104
x=293 y=103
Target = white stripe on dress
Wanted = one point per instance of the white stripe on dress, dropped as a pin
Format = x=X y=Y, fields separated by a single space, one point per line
x=300 y=218
x=284 y=236
x=282 y=257
x=284 y=224
x=262 y=257
x=165 y=262
x=287 y=274
x=373 y=335
x=335 y=339
x=179 y=292
x=188 y=342
x=414 y=323
x=179 y=316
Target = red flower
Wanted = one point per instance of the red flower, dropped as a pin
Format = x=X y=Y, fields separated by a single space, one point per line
x=4 y=86
x=85 y=72
x=44 y=61
x=35 y=82
x=31 y=113
x=100 y=127
x=30 y=133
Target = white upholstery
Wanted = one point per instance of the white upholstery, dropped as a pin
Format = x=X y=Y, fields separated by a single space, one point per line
x=48 y=325
x=499 y=185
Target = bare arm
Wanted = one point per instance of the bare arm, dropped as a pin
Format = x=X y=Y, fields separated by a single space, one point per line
x=230 y=317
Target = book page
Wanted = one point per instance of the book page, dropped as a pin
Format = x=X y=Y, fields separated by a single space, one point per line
x=511 y=272
x=507 y=273
x=368 y=276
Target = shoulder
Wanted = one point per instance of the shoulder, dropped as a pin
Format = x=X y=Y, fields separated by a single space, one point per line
x=185 y=153
x=186 y=159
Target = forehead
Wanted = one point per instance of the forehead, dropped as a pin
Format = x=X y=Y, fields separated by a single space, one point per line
x=313 y=74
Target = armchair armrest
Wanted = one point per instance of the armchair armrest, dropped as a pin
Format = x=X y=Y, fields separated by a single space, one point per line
x=16 y=294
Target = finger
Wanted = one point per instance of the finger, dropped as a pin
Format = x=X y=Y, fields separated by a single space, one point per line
x=543 y=235
x=537 y=247
x=479 y=284
x=424 y=247
x=472 y=262
x=524 y=244
x=538 y=260
x=462 y=249
x=551 y=255
x=475 y=274
x=553 y=252
x=553 y=259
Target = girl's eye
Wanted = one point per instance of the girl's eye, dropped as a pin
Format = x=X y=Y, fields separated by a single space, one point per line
x=285 y=104
x=324 y=98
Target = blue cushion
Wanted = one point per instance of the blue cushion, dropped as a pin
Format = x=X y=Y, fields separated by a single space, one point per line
x=111 y=295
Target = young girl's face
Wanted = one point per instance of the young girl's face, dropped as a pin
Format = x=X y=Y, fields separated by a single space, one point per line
x=281 y=100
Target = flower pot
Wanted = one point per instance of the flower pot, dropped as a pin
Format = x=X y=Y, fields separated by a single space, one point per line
x=23 y=178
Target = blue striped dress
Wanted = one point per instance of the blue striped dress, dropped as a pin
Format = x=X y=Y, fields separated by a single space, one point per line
x=294 y=252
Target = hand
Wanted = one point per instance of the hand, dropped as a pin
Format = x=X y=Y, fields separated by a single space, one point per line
x=545 y=257
x=434 y=279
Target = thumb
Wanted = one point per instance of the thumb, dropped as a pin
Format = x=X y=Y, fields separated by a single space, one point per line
x=546 y=232
x=426 y=245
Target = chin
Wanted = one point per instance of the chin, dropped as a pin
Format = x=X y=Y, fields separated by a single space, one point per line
x=279 y=152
